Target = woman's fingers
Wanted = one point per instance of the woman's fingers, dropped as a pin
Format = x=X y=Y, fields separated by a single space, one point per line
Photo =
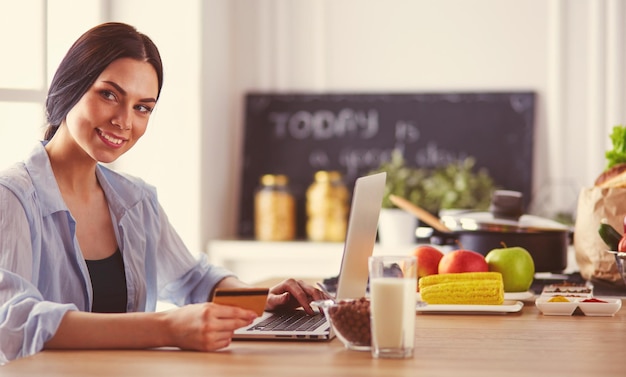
x=291 y=293
x=207 y=326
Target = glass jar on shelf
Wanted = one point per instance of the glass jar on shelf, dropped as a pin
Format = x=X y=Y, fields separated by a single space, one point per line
x=274 y=209
x=327 y=207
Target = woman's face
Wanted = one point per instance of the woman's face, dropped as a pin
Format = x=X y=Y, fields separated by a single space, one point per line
x=113 y=114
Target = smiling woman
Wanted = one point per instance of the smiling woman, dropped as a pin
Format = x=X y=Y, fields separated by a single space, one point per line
x=106 y=232
x=115 y=109
x=74 y=77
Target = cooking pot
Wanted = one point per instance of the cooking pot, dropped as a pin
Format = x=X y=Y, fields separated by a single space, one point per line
x=505 y=224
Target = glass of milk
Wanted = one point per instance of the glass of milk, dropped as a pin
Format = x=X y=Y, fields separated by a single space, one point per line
x=393 y=286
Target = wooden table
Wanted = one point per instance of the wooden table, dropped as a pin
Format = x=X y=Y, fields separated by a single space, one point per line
x=518 y=344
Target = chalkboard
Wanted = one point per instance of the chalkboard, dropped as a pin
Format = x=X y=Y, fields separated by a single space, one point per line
x=298 y=134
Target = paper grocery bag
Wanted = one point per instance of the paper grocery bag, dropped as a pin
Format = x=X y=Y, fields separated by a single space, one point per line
x=594 y=204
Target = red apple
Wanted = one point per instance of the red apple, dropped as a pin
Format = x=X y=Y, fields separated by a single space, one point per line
x=463 y=261
x=622 y=244
x=428 y=258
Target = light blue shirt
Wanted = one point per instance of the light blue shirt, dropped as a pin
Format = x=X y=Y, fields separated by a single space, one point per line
x=43 y=273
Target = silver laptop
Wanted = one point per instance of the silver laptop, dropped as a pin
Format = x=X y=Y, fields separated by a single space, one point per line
x=352 y=283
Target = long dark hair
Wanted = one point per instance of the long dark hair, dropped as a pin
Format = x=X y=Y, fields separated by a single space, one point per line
x=86 y=60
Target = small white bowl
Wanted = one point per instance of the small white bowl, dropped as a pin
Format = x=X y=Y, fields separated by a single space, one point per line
x=555 y=308
x=601 y=309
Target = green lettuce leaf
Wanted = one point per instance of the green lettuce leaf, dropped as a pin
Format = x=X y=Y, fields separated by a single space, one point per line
x=617 y=155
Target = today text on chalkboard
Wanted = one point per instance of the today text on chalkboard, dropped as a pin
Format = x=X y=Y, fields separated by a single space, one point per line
x=297 y=134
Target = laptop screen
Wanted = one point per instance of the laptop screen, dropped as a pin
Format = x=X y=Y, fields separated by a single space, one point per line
x=360 y=236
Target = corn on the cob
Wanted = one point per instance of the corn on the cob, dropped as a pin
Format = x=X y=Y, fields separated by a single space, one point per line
x=463 y=288
x=461 y=276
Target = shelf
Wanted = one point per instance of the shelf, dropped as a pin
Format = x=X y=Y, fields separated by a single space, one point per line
x=253 y=261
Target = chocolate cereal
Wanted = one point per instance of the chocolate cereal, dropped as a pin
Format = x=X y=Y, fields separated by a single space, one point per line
x=351 y=319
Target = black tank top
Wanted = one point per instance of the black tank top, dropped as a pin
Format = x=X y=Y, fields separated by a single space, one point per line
x=108 y=281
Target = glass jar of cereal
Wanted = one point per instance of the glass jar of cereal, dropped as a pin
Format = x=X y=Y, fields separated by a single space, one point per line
x=274 y=209
x=327 y=207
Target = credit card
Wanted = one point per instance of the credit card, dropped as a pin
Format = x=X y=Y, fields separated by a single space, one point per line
x=247 y=298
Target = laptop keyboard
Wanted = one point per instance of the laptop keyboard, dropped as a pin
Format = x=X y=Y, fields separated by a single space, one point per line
x=291 y=321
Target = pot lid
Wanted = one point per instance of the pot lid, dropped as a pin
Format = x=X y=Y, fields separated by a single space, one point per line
x=505 y=215
x=487 y=221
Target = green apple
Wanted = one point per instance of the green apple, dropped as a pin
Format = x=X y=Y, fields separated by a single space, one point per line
x=516 y=266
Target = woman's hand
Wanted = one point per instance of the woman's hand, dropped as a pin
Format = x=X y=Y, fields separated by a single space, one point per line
x=202 y=327
x=206 y=326
x=291 y=294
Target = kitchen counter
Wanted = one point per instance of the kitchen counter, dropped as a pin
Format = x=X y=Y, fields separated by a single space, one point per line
x=525 y=343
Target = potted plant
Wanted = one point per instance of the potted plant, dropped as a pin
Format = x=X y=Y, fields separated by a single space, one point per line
x=395 y=226
x=453 y=186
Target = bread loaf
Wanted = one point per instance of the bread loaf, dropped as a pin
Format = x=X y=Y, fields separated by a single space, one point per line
x=612 y=177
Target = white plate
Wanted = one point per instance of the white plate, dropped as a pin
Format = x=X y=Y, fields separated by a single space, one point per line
x=518 y=295
x=570 y=291
x=508 y=306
